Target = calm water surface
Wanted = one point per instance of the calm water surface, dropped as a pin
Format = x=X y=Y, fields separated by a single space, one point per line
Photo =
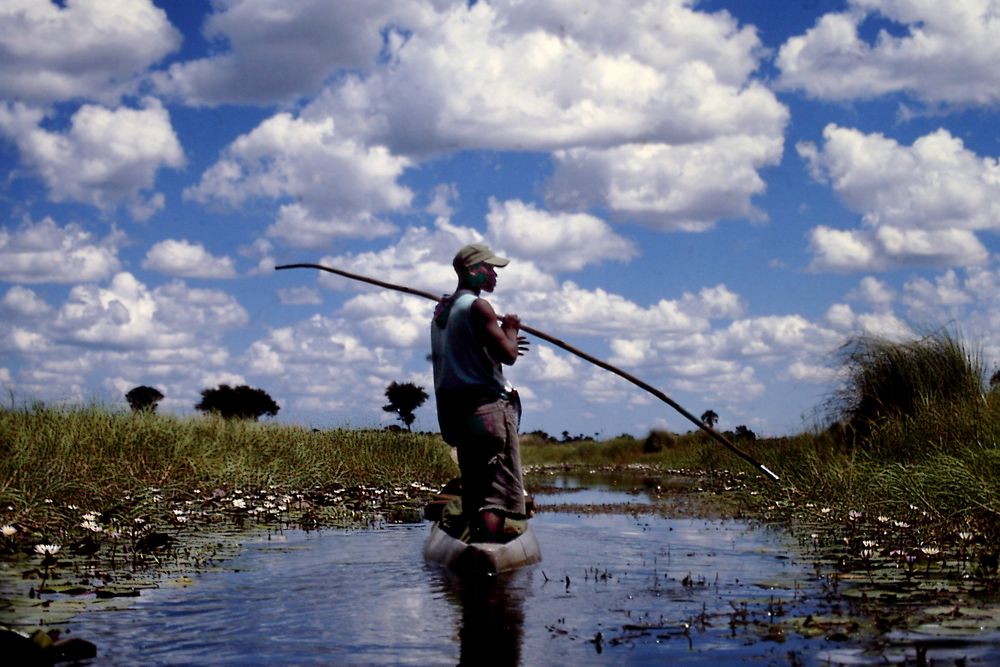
x=613 y=589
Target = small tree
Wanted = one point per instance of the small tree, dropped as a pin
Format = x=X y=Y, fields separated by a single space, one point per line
x=404 y=398
x=240 y=402
x=709 y=418
x=143 y=398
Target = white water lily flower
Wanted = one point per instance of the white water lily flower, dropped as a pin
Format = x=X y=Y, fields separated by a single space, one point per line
x=930 y=551
x=854 y=515
x=883 y=518
x=965 y=536
x=869 y=544
x=91 y=526
x=90 y=516
x=8 y=530
x=47 y=549
x=239 y=503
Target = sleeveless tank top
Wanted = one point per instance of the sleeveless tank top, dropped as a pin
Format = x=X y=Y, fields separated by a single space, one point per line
x=461 y=362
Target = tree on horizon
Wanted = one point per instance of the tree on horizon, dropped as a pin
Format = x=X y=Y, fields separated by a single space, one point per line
x=404 y=398
x=242 y=402
x=143 y=398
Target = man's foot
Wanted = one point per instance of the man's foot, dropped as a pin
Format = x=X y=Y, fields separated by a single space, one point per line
x=489 y=528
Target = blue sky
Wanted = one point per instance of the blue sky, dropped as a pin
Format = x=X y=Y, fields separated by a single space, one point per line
x=714 y=196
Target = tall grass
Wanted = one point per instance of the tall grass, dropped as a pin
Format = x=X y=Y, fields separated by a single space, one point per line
x=917 y=434
x=892 y=381
x=91 y=457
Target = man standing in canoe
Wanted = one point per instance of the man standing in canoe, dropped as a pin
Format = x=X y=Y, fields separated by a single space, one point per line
x=478 y=410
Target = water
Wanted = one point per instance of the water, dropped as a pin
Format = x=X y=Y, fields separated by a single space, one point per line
x=613 y=589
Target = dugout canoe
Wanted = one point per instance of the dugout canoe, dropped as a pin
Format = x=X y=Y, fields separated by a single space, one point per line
x=481 y=557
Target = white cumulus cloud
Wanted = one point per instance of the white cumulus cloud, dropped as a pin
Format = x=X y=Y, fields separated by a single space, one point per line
x=687 y=187
x=919 y=204
x=940 y=52
x=338 y=186
x=633 y=103
x=21 y=302
x=276 y=51
x=44 y=252
x=126 y=314
x=79 y=49
x=556 y=241
x=105 y=158
x=187 y=260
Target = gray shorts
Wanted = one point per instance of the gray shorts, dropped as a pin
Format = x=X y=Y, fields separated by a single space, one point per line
x=489 y=455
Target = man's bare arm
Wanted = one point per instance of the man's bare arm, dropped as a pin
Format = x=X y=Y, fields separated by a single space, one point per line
x=501 y=340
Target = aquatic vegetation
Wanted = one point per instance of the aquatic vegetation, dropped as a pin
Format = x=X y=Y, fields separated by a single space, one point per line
x=150 y=537
x=58 y=460
x=888 y=381
x=111 y=502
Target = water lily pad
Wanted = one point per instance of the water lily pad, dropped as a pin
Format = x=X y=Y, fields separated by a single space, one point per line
x=951 y=621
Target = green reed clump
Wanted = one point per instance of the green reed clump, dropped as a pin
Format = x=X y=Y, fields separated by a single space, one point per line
x=92 y=457
x=917 y=440
x=891 y=381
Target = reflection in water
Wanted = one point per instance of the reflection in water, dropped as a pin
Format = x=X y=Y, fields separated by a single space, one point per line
x=492 y=616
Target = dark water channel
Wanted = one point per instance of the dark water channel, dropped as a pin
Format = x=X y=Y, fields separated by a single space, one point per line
x=621 y=584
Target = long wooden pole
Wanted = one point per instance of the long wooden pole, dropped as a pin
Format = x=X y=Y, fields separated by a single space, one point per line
x=569 y=348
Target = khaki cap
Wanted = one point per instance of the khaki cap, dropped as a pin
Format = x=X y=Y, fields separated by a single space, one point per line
x=479 y=253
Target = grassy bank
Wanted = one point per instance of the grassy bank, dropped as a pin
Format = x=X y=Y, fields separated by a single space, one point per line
x=905 y=470
x=916 y=430
x=660 y=450
x=907 y=473
x=55 y=461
